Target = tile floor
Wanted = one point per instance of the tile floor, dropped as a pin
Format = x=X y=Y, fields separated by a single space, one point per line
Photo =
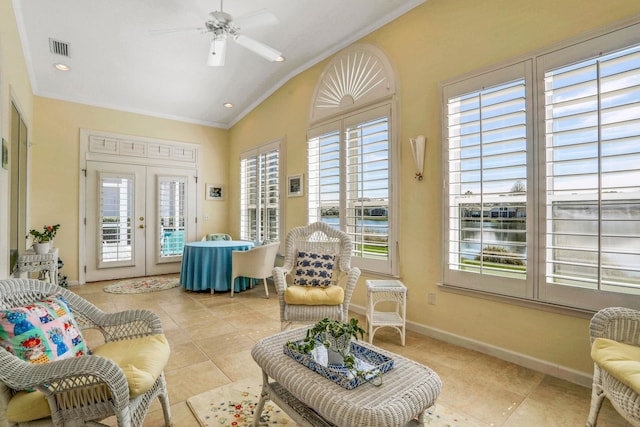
x=211 y=337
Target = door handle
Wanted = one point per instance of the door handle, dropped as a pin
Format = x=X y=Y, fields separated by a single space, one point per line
x=141 y=226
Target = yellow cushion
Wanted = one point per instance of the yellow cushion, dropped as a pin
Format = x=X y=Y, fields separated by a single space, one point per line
x=620 y=360
x=27 y=406
x=141 y=359
x=314 y=295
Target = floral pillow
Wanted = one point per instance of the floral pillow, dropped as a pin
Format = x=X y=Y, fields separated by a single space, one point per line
x=314 y=269
x=42 y=331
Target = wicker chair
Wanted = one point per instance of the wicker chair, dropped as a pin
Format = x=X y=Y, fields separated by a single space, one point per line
x=256 y=263
x=216 y=236
x=80 y=390
x=622 y=325
x=318 y=237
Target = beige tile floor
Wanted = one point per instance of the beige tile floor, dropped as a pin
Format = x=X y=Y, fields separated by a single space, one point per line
x=211 y=337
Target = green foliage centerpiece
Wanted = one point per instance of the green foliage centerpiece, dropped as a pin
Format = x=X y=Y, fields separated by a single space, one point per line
x=336 y=337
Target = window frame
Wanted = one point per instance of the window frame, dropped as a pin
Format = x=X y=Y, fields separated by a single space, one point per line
x=261 y=210
x=537 y=290
x=339 y=124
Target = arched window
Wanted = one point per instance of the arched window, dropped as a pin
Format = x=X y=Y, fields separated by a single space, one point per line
x=352 y=154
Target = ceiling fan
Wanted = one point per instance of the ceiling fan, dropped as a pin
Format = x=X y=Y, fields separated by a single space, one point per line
x=224 y=28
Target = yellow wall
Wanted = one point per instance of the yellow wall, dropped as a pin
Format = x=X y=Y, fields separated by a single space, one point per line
x=440 y=40
x=14 y=86
x=55 y=164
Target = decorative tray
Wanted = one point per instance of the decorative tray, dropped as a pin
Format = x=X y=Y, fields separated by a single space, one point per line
x=372 y=362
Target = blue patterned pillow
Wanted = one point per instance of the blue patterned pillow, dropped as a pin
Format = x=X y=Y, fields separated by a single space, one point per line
x=313 y=269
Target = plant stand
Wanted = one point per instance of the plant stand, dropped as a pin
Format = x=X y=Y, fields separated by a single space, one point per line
x=393 y=291
x=46 y=264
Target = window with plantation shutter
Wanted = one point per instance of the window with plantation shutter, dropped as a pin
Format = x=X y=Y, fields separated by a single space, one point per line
x=486 y=185
x=349 y=180
x=260 y=194
x=592 y=194
x=547 y=211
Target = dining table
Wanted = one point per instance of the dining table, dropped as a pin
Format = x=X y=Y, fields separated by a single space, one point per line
x=206 y=265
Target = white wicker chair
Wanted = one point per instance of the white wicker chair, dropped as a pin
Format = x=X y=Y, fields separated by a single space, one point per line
x=622 y=325
x=216 y=236
x=256 y=263
x=71 y=386
x=318 y=237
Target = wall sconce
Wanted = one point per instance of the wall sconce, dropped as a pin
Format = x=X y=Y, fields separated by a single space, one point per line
x=417 y=148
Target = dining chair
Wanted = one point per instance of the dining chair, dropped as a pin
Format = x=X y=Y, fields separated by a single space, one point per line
x=316 y=279
x=50 y=376
x=256 y=263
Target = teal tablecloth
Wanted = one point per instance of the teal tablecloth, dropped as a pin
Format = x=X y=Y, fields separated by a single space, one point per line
x=207 y=265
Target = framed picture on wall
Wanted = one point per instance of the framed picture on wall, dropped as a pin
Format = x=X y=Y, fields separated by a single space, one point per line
x=214 y=192
x=294 y=186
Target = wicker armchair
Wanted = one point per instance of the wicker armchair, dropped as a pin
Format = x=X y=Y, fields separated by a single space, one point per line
x=622 y=325
x=318 y=237
x=80 y=390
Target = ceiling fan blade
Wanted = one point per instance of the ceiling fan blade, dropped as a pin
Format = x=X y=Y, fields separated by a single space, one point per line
x=260 y=48
x=163 y=31
x=217 y=53
x=258 y=18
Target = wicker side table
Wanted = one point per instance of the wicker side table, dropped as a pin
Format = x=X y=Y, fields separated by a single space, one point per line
x=386 y=291
x=45 y=264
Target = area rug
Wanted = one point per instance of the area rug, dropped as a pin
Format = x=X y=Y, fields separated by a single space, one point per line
x=143 y=284
x=233 y=405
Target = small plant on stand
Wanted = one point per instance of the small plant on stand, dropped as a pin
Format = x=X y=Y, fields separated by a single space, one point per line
x=42 y=239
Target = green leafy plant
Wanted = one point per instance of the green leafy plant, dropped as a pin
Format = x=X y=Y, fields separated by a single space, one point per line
x=325 y=328
x=48 y=233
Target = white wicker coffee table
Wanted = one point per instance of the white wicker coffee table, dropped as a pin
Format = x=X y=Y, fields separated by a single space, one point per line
x=310 y=399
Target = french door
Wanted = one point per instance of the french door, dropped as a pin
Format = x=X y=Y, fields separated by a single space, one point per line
x=137 y=219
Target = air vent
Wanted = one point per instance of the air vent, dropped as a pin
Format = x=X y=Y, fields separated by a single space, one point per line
x=59 y=47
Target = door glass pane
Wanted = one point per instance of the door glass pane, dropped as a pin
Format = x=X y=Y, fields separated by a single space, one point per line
x=171 y=202
x=116 y=198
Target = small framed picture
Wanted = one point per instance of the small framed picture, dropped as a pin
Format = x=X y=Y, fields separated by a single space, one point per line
x=294 y=186
x=214 y=192
x=5 y=154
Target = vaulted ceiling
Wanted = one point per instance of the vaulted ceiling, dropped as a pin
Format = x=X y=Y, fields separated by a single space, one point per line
x=150 y=57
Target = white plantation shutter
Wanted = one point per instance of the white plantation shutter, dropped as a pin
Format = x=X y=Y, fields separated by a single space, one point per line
x=172 y=209
x=486 y=186
x=260 y=194
x=116 y=204
x=270 y=226
x=367 y=183
x=248 y=197
x=324 y=174
x=592 y=194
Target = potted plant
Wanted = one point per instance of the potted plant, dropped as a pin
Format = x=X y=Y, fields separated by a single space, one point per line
x=42 y=240
x=336 y=337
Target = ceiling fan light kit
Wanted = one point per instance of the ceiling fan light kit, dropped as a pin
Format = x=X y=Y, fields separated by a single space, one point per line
x=217 y=52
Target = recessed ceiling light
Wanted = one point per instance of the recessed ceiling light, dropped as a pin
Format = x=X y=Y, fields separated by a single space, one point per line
x=62 y=67
x=280 y=58
x=227 y=105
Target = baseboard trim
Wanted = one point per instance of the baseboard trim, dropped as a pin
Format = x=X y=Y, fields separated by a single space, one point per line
x=543 y=366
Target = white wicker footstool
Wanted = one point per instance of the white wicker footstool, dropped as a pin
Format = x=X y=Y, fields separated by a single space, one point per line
x=310 y=399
